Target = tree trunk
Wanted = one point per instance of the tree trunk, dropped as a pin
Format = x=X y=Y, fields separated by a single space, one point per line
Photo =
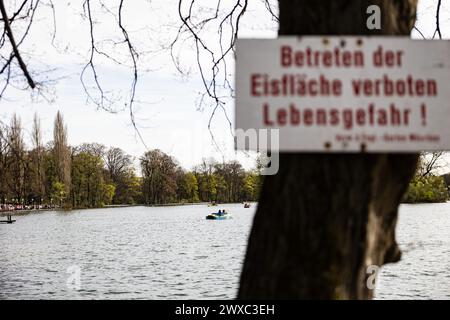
x=324 y=218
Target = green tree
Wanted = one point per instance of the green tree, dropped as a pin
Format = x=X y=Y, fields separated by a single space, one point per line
x=89 y=188
x=108 y=191
x=212 y=187
x=61 y=152
x=221 y=187
x=36 y=163
x=191 y=187
x=159 y=172
x=59 y=193
x=122 y=174
x=427 y=189
x=250 y=187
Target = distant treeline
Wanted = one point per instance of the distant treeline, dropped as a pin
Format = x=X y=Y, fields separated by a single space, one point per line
x=91 y=175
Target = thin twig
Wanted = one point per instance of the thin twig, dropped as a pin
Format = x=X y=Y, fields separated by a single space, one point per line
x=438 y=26
x=17 y=55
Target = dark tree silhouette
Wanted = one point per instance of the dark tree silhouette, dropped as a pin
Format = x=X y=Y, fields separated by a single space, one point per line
x=323 y=219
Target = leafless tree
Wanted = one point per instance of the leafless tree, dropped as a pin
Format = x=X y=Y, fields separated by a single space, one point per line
x=61 y=152
x=19 y=70
x=437 y=30
x=96 y=149
x=198 y=20
x=16 y=158
x=37 y=159
x=117 y=162
x=25 y=11
x=431 y=163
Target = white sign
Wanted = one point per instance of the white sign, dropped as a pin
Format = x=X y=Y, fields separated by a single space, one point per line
x=346 y=93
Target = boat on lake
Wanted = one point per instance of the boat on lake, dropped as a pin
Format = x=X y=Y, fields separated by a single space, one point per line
x=218 y=216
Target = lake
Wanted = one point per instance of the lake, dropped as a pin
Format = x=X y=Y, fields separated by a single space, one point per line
x=174 y=253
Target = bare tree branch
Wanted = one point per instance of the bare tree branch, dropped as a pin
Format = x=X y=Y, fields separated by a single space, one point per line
x=211 y=58
x=15 y=48
x=90 y=65
x=438 y=26
x=420 y=32
x=271 y=10
x=17 y=13
x=134 y=56
x=431 y=162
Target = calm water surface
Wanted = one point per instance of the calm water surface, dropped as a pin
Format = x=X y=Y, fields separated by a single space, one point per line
x=174 y=253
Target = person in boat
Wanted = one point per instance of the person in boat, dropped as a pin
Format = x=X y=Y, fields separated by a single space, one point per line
x=219 y=213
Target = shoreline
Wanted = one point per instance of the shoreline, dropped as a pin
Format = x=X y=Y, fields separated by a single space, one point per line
x=31 y=211
x=208 y=204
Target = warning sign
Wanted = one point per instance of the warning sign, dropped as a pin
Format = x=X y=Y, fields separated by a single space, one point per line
x=346 y=93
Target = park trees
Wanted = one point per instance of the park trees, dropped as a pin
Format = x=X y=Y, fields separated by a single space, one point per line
x=206 y=176
x=232 y=176
x=90 y=188
x=225 y=181
x=159 y=177
x=191 y=187
x=100 y=176
x=119 y=166
x=251 y=186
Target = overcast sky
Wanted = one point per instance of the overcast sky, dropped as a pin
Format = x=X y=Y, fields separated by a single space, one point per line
x=167 y=112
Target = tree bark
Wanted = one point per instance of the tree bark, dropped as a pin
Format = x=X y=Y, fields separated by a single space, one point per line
x=324 y=218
